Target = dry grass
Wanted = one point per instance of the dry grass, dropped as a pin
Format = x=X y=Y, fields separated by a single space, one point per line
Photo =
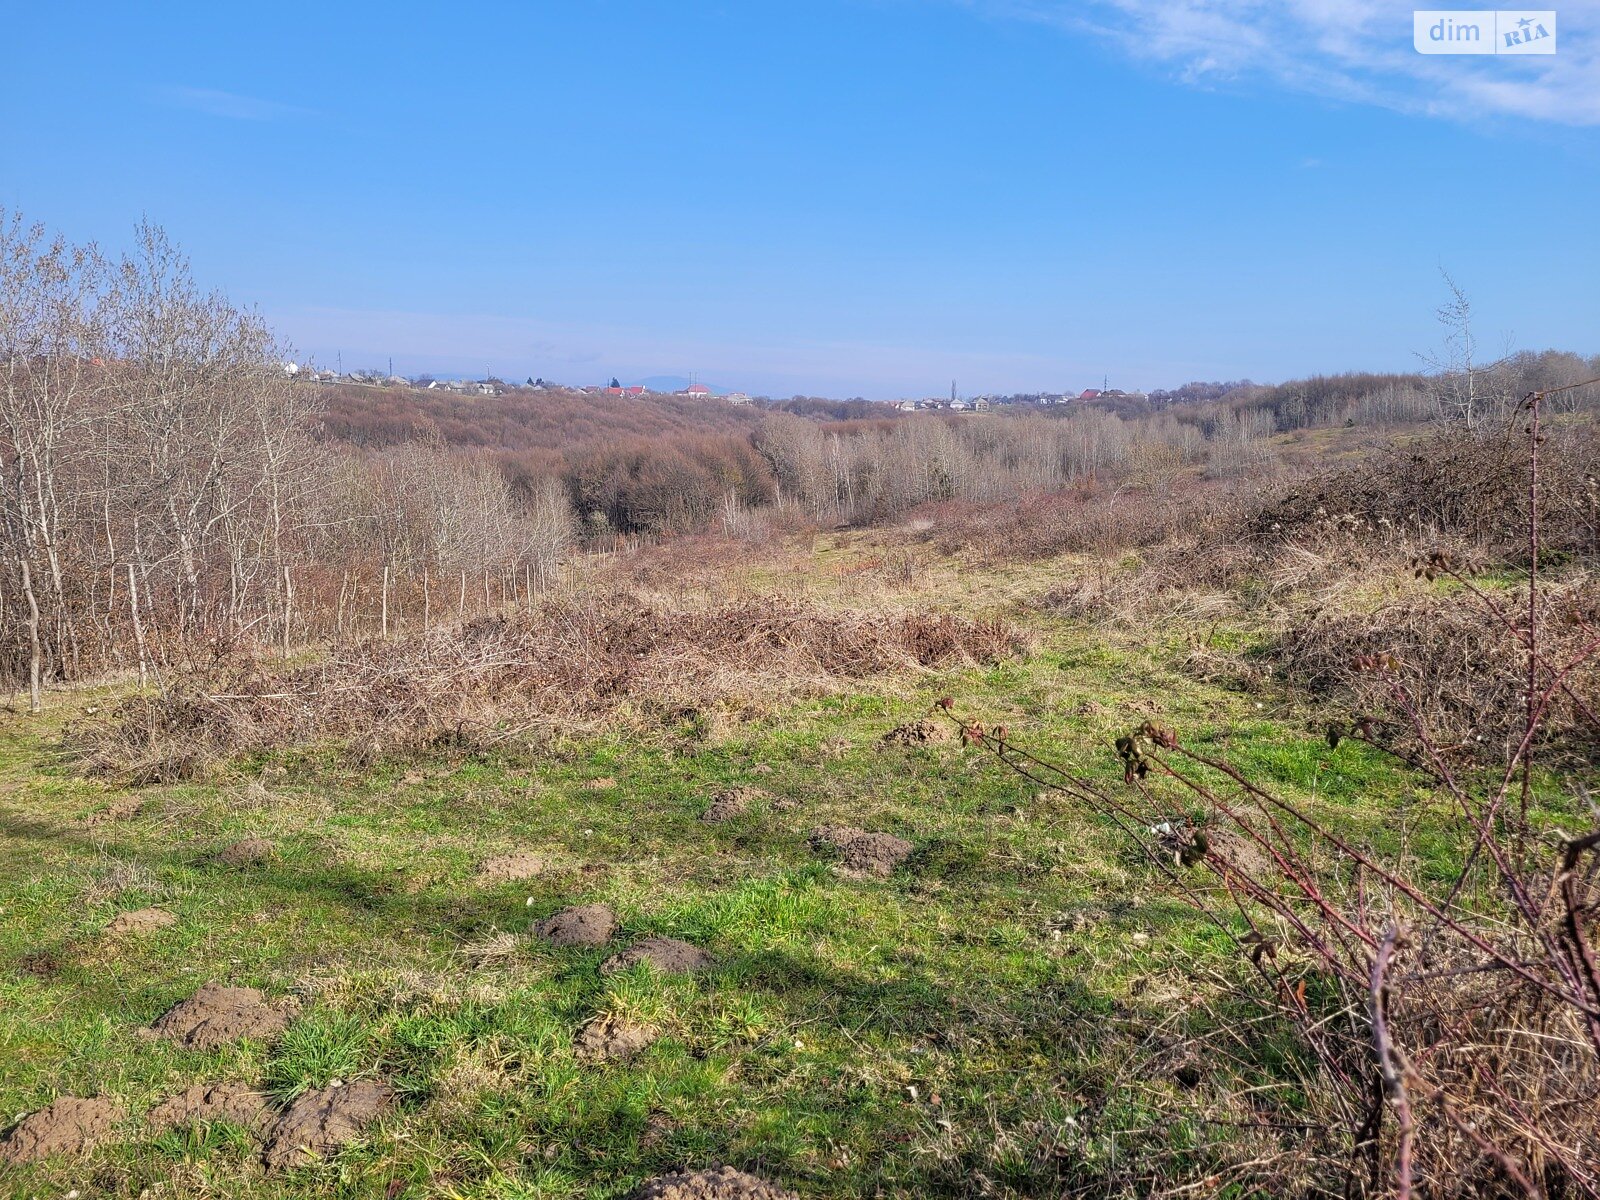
x=573 y=663
x=1088 y=520
x=1442 y=1000
x=1454 y=484
x=1460 y=668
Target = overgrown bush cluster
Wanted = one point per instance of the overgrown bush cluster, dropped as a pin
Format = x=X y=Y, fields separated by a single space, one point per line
x=1454 y=482
x=1461 y=665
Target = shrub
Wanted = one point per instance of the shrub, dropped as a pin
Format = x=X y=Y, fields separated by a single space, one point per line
x=1460 y=666
x=1455 y=483
x=1409 y=1032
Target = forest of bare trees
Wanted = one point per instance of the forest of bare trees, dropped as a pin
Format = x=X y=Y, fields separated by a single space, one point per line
x=164 y=496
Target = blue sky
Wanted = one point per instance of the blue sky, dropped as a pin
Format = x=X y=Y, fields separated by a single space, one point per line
x=839 y=197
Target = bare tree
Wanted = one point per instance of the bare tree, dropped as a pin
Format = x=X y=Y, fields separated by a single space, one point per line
x=51 y=368
x=1464 y=387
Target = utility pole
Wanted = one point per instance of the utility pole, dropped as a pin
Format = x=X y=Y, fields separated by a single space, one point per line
x=952 y=391
x=391 y=366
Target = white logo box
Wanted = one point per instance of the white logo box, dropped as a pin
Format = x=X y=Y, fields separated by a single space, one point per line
x=1484 y=31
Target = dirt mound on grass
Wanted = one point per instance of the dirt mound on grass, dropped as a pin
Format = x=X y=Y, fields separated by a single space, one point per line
x=321 y=1121
x=585 y=925
x=731 y=802
x=41 y=964
x=610 y=1037
x=860 y=851
x=217 y=1015
x=236 y=1103
x=251 y=852
x=141 y=920
x=505 y=868
x=919 y=733
x=70 y=1125
x=714 y=1183
x=663 y=953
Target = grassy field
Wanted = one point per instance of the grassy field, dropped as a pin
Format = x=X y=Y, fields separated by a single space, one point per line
x=1009 y=1013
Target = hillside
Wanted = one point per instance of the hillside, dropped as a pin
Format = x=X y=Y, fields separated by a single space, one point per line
x=521 y=419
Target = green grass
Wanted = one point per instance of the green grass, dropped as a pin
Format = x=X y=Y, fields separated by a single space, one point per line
x=972 y=1024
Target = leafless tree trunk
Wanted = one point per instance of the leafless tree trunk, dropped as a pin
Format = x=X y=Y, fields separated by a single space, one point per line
x=35 y=696
x=138 y=628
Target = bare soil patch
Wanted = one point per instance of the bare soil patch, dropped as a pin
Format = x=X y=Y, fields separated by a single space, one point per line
x=663 y=953
x=584 y=925
x=860 y=851
x=505 y=868
x=251 y=852
x=141 y=920
x=41 y=964
x=217 y=1015
x=730 y=803
x=713 y=1183
x=609 y=1037
x=70 y=1125
x=237 y=1103
x=919 y=733
x=321 y=1121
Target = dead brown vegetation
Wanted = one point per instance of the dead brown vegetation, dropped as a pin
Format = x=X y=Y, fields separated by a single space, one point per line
x=1454 y=483
x=1461 y=665
x=1087 y=519
x=570 y=661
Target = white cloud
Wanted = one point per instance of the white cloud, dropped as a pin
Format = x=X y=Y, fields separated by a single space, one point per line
x=1354 y=50
x=231 y=106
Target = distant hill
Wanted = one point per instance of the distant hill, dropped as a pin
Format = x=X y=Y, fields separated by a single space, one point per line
x=524 y=419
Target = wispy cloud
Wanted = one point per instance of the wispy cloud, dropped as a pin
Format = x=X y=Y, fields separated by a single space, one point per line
x=1354 y=50
x=230 y=105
